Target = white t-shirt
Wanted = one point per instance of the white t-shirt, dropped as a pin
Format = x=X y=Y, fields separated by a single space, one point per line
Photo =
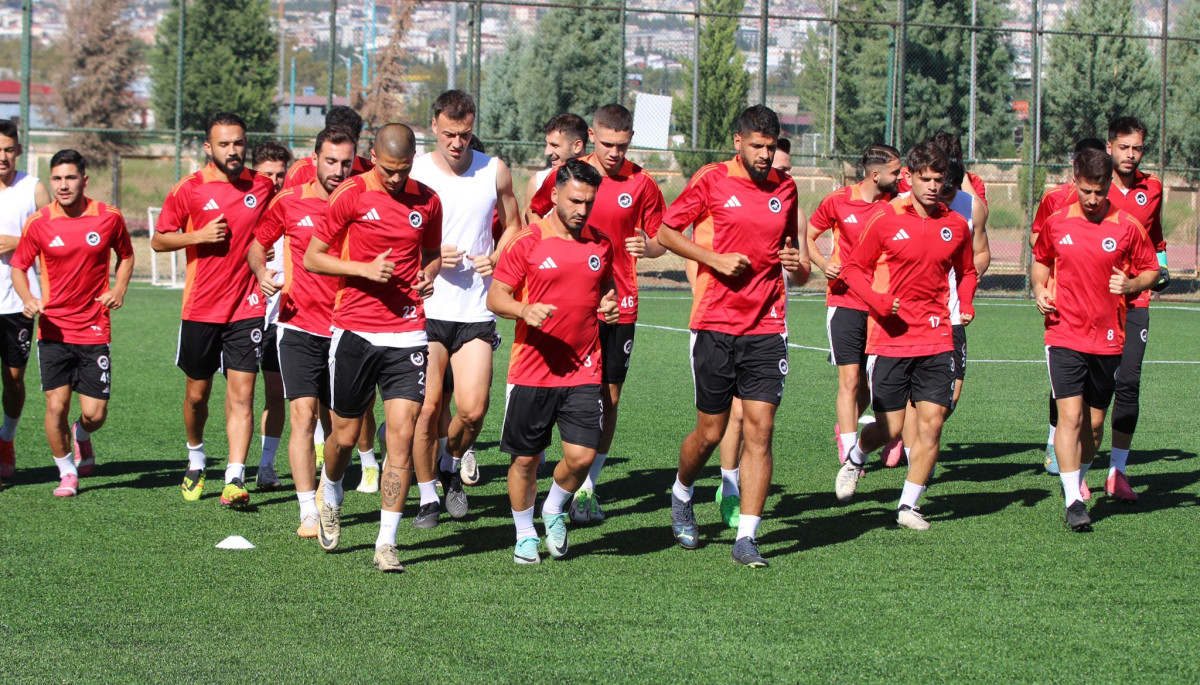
x=962 y=205
x=17 y=204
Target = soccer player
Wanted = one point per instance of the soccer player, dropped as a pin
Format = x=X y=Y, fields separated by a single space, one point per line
x=745 y=236
x=561 y=270
x=305 y=308
x=461 y=329
x=73 y=240
x=566 y=138
x=212 y=214
x=271 y=160
x=20 y=196
x=387 y=227
x=952 y=146
x=338 y=116
x=845 y=212
x=901 y=270
x=628 y=211
x=1098 y=254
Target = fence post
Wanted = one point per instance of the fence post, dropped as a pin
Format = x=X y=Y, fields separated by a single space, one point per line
x=333 y=43
x=696 y=80
x=179 y=92
x=477 y=69
x=889 y=125
x=116 y=181
x=974 y=89
x=901 y=48
x=621 y=57
x=833 y=79
x=762 y=53
x=1035 y=130
x=452 y=49
x=1162 y=91
x=26 y=67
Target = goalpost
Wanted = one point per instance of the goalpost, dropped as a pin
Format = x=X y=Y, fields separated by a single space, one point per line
x=167 y=269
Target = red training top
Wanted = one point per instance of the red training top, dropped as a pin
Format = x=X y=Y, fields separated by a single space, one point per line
x=845 y=212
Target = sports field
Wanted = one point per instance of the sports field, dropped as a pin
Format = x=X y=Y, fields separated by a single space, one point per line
x=123 y=583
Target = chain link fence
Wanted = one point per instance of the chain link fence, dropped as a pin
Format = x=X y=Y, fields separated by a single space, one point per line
x=1018 y=81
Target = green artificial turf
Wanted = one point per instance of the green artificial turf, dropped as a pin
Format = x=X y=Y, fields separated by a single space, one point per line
x=123 y=583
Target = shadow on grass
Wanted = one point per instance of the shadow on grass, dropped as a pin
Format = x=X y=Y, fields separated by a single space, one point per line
x=986 y=461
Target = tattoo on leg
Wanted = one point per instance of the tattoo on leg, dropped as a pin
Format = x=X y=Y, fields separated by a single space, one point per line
x=391 y=488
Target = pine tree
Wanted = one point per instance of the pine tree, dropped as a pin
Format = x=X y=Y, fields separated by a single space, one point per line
x=92 y=82
x=1183 y=97
x=230 y=61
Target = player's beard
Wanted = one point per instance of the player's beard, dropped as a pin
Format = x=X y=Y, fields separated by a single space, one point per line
x=231 y=169
x=892 y=188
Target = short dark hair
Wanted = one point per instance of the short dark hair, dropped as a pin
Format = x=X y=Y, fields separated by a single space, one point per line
x=572 y=125
x=614 y=117
x=877 y=155
x=223 y=119
x=9 y=130
x=785 y=145
x=69 y=157
x=1089 y=144
x=758 y=119
x=575 y=170
x=927 y=155
x=955 y=172
x=949 y=143
x=341 y=116
x=1093 y=165
x=476 y=144
x=271 y=151
x=455 y=104
x=334 y=135
x=1123 y=126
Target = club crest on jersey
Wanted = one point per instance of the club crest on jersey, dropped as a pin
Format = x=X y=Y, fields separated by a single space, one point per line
x=256 y=336
x=775 y=205
x=1109 y=245
x=417 y=358
x=102 y=362
x=250 y=200
x=594 y=263
x=415 y=219
x=625 y=200
x=93 y=238
x=1141 y=198
x=947 y=234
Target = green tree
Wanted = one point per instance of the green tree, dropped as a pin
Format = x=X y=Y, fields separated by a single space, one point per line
x=724 y=86
x=1183 y=98
x=1091 y=80
x=230 y=61
x=92 y=82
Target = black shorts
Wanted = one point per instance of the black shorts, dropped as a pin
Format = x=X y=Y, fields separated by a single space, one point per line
x=270 y=351
x=86 y=368
x=304 y=364
x=454 y=334
x=847 y=330
x=530 y=415
x=749 y=367
x=616 y=348
x=17 y=330
x=1094 y=376
x=896 y=381
x=959 y=332
x=206 y=348
x=356 y=367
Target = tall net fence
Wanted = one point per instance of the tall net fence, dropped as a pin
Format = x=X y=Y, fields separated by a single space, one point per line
x=1019 y=81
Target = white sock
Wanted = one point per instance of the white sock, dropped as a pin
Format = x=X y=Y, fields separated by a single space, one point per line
x=428 y=492
x=553 y=504
x=1117 y=462
x=333 y=492
x=524 y=523
x=846 y=440
x=1070 y=483
x=1050 y=437
x=445 y=461
x=856 y=455
x=910 y=494
x=319 y=435
x=269 y=447
x=8 y=431
x=593 y=476
x=389 y=521
x=368 y=459
x=684 y=494
x=197 y=459
x=308 y=503
x=66 y=465
x=235 y=471
x=747 y=526
x=83 y=436
x=729 y=483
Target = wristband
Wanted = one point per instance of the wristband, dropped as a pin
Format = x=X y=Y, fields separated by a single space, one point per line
x=1162 y=258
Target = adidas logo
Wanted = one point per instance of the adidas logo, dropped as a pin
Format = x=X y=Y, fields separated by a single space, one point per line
x=850 y=219
x=548 y=264
x=306 y=221
x=371 y=215
x=1066 y=240
x=57 y=242
x=212 y=204
x=902 y=235
x=733 y=202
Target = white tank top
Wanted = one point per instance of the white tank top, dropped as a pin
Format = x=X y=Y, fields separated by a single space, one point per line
x=961 y=205
x=276 y=265
x=468 y=201
x=17 y=204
